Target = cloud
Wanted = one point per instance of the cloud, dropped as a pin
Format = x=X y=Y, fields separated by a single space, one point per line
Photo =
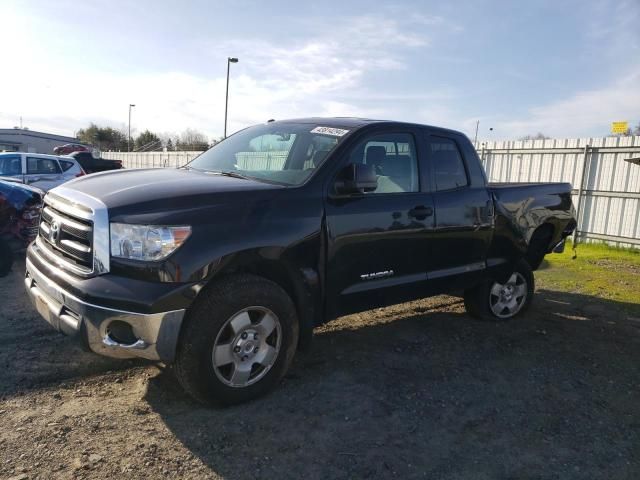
x=585 y=113
x=311 y=75
x=335 y=59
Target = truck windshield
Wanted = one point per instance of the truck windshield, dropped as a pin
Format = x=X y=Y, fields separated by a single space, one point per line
x=285 y=153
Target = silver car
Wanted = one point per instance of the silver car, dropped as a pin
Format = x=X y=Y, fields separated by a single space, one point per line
x=40 y=170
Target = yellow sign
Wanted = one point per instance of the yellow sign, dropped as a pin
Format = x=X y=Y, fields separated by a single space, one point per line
x=619 y=127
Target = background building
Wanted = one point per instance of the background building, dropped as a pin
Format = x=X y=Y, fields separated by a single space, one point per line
x=23 y=140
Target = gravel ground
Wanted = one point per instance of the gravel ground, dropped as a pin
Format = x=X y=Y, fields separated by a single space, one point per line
x=418 y=390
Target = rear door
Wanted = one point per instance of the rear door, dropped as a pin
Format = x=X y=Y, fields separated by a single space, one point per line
x=376 y=240
x=43 y=172
x=464 y=212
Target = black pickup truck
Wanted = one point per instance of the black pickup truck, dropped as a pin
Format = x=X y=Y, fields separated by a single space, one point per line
x=91 y=164
x=223 y=267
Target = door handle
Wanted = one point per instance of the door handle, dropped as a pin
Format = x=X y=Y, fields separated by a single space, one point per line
x=421 y=212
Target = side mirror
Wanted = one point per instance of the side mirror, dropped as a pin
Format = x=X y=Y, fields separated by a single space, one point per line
x=356 y=178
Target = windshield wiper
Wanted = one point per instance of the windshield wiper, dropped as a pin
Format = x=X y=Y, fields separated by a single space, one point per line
x=226 y=173
x=235 y=174
x=230 y=173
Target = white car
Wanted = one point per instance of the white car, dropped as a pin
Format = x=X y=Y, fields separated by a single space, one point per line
x=42 y=171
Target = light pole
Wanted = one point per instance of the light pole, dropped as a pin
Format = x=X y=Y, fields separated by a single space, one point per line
x=129 y=140
x=230 y=60
x=475 y=140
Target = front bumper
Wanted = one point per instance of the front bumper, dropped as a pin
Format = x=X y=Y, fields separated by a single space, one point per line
x=156 y=334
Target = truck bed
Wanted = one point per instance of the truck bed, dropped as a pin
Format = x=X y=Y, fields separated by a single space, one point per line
x=527 y=206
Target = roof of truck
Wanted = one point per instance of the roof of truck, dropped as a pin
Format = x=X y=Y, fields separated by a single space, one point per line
x=356 y=122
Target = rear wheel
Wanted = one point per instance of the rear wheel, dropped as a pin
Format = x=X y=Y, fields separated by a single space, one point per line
x=238 y=342
x=492 y=300
x=6 y=258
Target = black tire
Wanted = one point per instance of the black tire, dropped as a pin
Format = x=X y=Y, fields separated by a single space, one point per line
x=6 y=258
x=208 y=320
x=481 y=302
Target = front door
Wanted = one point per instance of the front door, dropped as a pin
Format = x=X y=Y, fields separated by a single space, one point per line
x=11 y=166
x=376 y=240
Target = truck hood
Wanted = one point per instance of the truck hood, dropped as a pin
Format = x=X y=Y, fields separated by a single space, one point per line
x=158 y=188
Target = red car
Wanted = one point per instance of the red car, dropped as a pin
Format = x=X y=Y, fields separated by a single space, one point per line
x=19 y=220
x=70 y=148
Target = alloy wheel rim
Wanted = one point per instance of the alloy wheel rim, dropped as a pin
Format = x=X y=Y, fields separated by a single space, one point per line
x=246 y=347
x=506 y=300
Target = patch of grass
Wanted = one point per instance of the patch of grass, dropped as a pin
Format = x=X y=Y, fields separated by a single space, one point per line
x=599 y=270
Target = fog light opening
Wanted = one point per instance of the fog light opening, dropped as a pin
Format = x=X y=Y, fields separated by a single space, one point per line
x=121 y=332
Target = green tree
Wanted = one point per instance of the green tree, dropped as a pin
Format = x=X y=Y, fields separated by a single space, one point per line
x=147 y=141
x=104 y=138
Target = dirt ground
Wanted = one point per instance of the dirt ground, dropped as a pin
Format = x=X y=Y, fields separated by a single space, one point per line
x=419 y=390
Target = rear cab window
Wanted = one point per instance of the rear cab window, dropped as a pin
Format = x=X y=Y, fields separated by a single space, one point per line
x=447 y=164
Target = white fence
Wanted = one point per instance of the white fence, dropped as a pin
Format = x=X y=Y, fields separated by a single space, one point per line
x=151 y=159
x=606 y=187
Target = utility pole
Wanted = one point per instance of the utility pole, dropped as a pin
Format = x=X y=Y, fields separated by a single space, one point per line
x=475 y=140
x=129 y=140
x=230 y=60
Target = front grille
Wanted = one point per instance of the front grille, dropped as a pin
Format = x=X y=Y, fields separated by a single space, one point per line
x=66 y=236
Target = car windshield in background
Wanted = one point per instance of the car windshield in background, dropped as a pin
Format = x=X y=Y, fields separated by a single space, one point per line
x=283 y=153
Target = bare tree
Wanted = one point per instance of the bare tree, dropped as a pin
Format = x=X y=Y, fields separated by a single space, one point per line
x=537 y=136
x=192 y=139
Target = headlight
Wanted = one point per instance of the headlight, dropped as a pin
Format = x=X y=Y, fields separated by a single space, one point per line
x=146 y=242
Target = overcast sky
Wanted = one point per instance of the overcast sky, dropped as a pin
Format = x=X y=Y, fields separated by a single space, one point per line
x=565 y=68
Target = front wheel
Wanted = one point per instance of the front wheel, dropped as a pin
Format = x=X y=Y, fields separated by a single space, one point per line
x=238 y=342
x=492 y=300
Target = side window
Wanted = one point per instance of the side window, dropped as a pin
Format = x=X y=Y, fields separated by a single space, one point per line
x=447 y=164
x=393 y=156
x=66 y=165
x=42 y=166
x=10 y=165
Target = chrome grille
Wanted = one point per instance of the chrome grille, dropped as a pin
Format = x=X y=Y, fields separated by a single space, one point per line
x=67 y=236
x=74 y=232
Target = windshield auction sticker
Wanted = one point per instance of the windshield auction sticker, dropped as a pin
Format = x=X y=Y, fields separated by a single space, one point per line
x=335 y=132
